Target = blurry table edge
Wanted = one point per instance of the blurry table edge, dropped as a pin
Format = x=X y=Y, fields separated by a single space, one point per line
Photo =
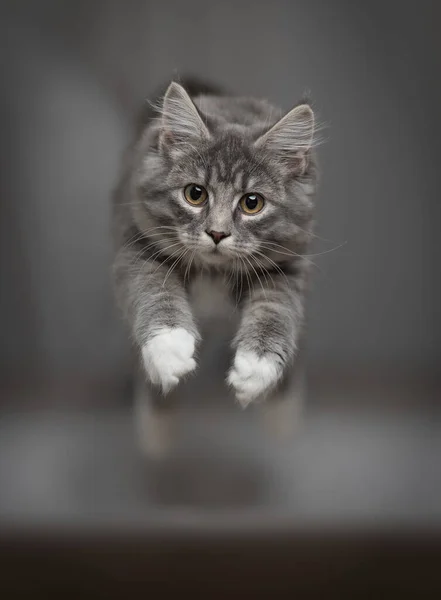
x=353 y=561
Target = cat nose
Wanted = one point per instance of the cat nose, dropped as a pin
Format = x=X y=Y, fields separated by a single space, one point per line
x=217 y=236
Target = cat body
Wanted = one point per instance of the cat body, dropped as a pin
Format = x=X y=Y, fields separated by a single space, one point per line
x=212 y=219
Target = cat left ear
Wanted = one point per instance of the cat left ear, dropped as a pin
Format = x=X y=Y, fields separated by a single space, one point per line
x=180 y=119
x=292 y=137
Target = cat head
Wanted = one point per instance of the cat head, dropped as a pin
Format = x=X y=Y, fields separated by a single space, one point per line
x=226 y=179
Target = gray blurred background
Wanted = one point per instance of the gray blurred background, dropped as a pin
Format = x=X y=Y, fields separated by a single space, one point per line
x=73 y=76
x=75 y=73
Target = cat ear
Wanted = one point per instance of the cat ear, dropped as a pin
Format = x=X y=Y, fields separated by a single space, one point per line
x=292 y=136
x=180 y=119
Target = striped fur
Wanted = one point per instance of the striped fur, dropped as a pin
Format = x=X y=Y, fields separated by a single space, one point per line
x=231 y=146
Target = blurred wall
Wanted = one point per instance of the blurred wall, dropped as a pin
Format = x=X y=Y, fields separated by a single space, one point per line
x=74 y=72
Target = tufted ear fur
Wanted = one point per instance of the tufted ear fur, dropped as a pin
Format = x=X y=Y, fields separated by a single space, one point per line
x=291 y=137
x=180 y=120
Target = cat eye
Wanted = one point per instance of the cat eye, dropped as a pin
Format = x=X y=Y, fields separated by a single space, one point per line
x=251 y=204
x=195 y=194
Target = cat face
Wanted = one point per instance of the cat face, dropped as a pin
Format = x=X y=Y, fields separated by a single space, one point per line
x=226 y=193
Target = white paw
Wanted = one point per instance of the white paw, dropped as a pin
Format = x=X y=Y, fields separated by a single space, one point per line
x=253 y=376
x=168 y=356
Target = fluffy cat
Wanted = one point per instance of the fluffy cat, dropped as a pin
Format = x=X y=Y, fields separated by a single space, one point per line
x=222 y=186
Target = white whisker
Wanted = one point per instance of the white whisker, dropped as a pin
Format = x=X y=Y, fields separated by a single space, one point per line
x=273 y=263
x=177 y=261
x=257 y=275
x=187 y=270
x=249 y=278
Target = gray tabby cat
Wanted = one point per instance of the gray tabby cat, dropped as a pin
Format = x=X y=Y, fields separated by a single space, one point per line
x=221 y=186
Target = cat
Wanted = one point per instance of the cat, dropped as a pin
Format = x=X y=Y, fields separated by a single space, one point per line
x=221 y=187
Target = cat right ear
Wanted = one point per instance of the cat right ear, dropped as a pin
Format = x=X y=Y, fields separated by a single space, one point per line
x=180 y=120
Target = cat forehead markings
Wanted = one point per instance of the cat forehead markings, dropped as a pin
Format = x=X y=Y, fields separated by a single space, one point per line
x=231 y=176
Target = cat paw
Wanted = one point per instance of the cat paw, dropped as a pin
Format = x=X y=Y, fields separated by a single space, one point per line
x=168 y=356
x=253 y=376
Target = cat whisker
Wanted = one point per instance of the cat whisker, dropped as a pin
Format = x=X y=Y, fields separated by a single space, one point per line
x=187 y=270
x=274 y=264
x=235 y=272
x=230 y=274
x=138 y=255
x=274 y=247
x=165 y=237
x=176 y=262
x=261 y=268
x=314 y=235
x=241 y=284
x=146 y=232
x=234 y=280
x=135 y=259
x=290 y=252
x=166 y=257
x=131 y=241
x=249 y=278
x=257 y=275
x=266 y=272
x=141 y=234
x=156 y=251
x=327 y=251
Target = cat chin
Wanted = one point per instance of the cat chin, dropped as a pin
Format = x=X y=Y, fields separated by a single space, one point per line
x=215 y=258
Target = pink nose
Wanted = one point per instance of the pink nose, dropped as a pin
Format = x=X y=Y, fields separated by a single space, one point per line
x=217 y=236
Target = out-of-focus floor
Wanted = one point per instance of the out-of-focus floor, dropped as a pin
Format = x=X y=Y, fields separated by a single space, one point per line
x=347 y=463
x=353 y=466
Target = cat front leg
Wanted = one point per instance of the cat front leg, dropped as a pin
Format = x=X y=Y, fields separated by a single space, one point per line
x=266 y=341
x=155 y=304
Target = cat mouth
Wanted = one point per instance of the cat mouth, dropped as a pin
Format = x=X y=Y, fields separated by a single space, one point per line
x=213 y=250
x=215 y=255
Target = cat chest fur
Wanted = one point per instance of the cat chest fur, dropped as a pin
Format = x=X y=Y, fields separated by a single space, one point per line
x=212 y=301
